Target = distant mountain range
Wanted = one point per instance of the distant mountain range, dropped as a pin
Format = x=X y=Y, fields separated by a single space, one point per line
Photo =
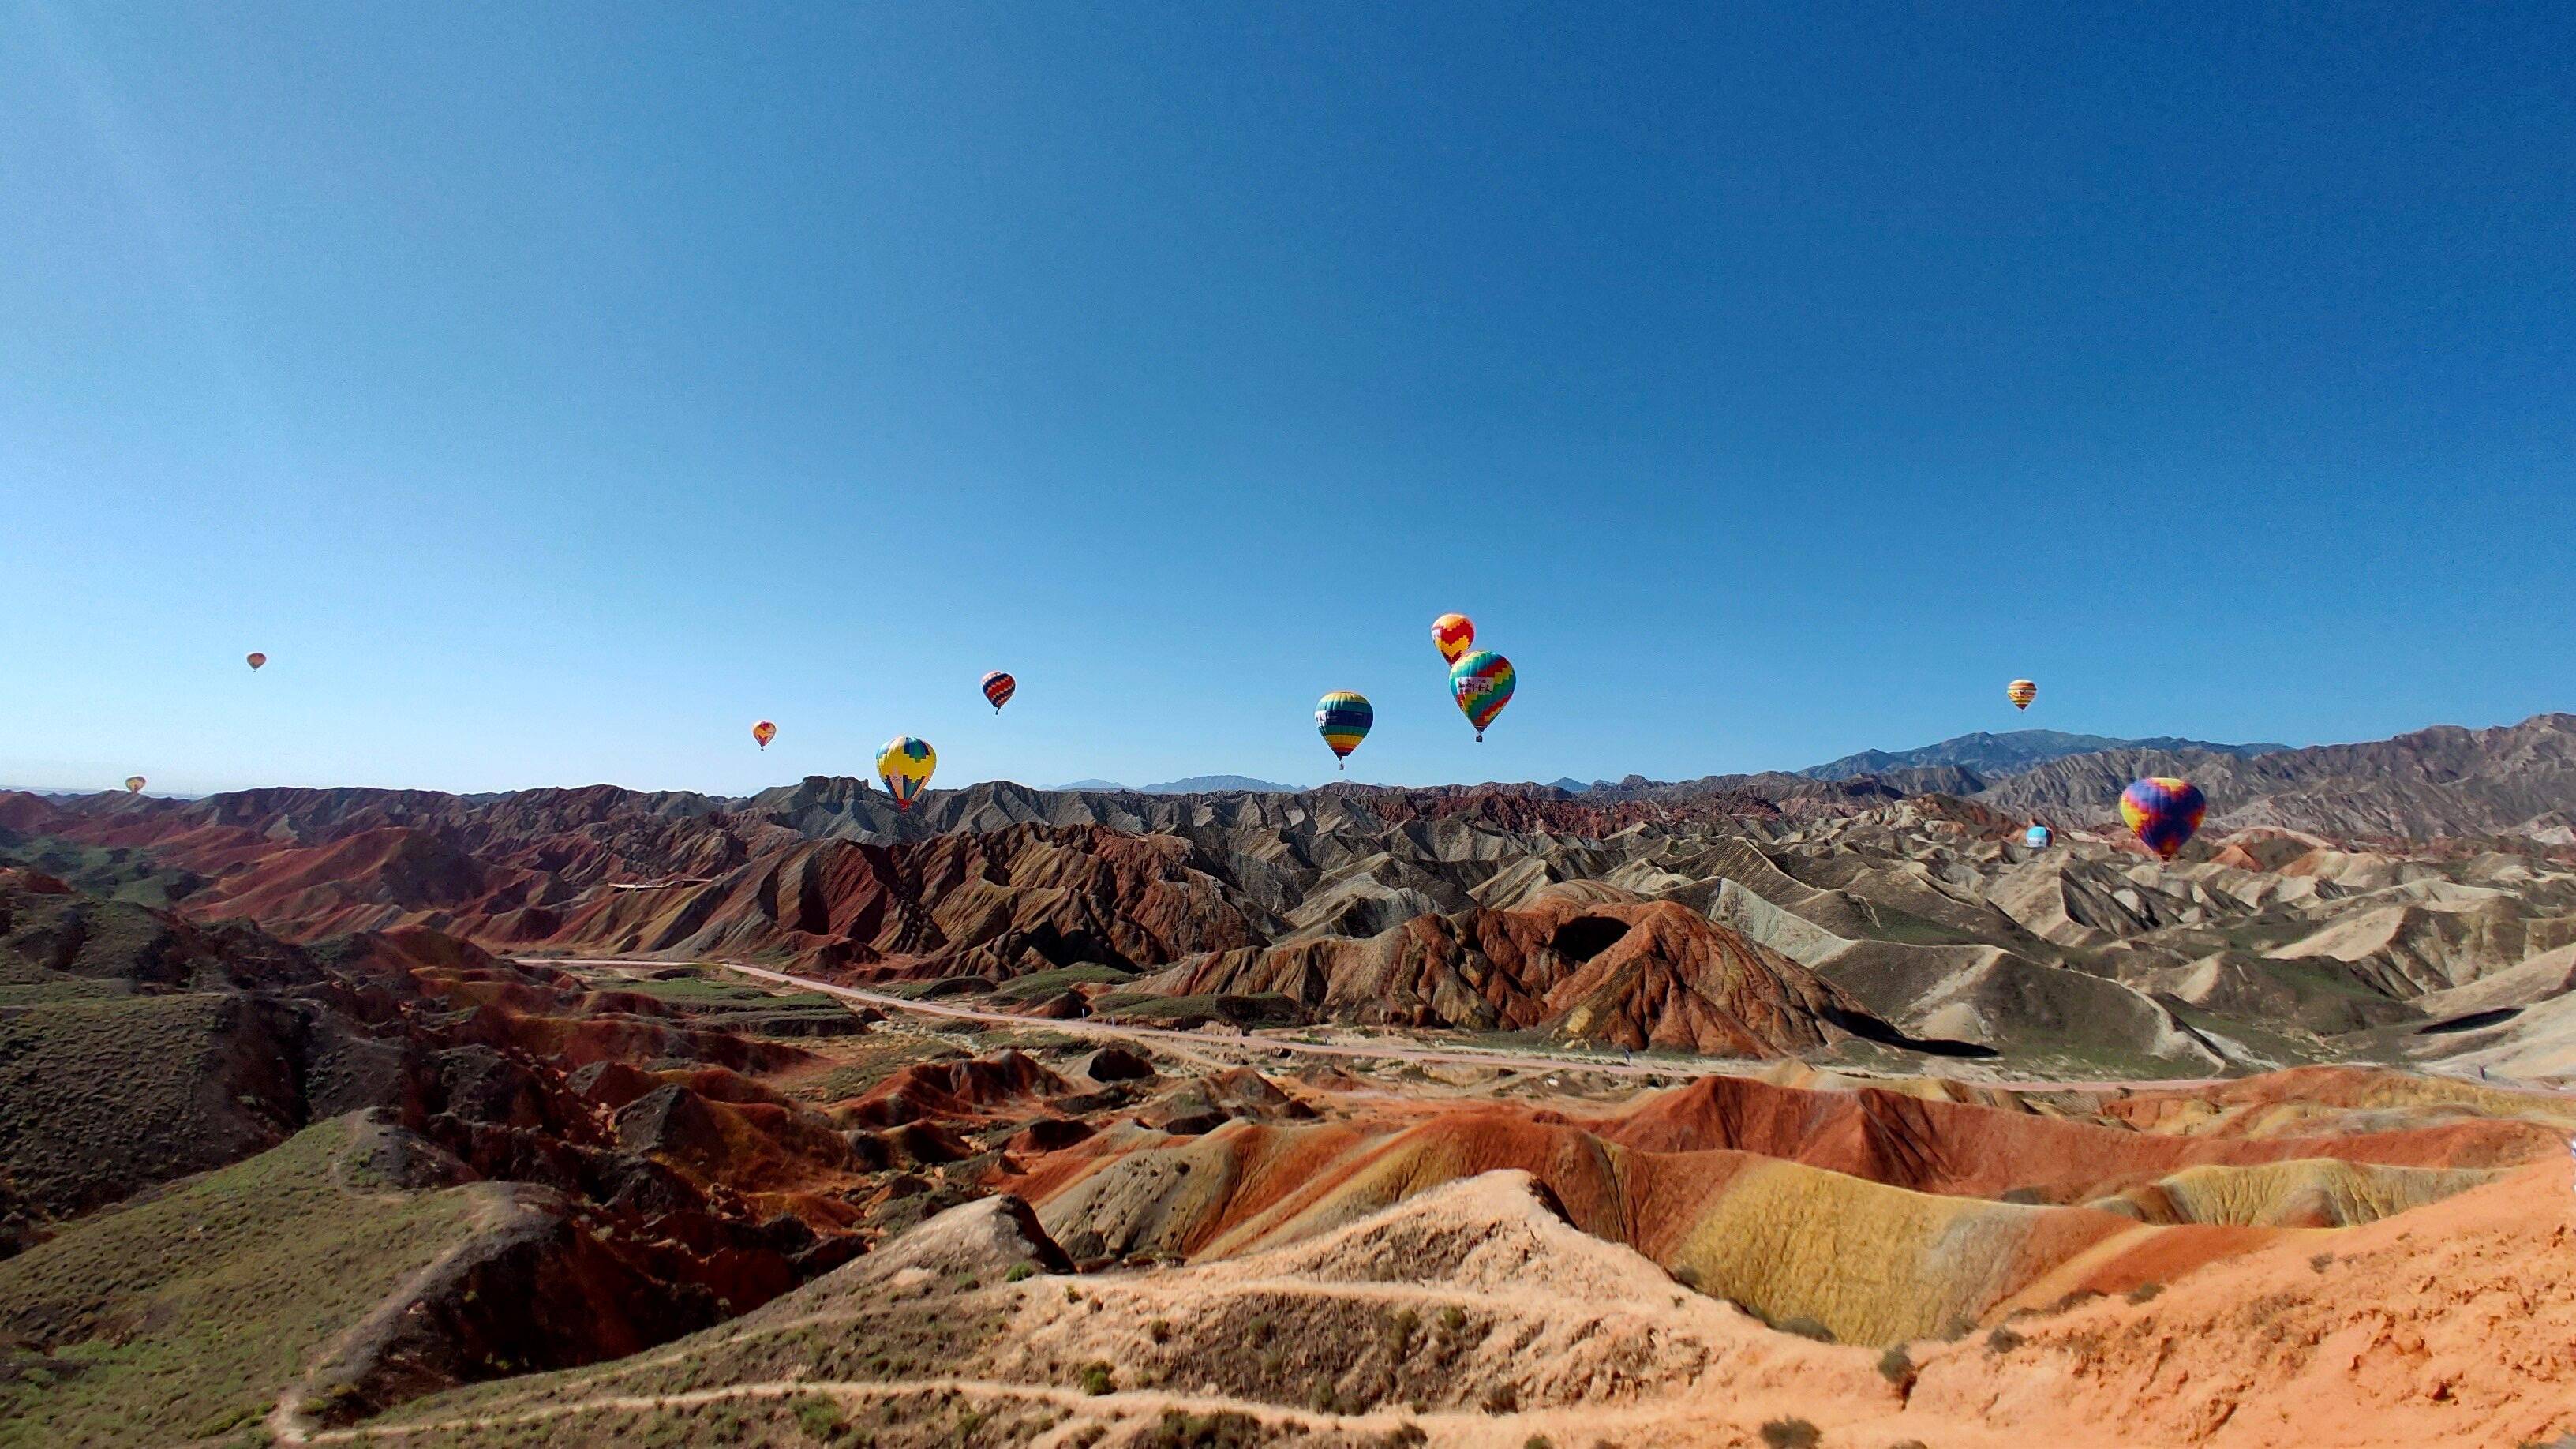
x=1995 y=756
x=1194 y=785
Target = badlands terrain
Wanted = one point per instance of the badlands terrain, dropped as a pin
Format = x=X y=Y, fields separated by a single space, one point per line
x=1784 y=1109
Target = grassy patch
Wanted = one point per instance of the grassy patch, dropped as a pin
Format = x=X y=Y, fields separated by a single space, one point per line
x=1268 y=1009
x=1048 y=983
x=184 y=1316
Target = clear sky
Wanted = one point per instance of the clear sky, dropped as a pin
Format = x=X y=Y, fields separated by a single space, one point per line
x=552 y=390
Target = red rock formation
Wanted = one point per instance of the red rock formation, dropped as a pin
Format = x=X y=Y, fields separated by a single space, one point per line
x=1627 y=973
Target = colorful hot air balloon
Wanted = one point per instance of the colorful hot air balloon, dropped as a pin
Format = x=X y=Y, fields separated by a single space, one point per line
x=998 y=687
x=905 y=765
x=2037 y=837
x=256 y=660
x=134 y=784
x=2021 y=692
x=1453 y=635
x=764 y=732
x=1343 y=719
x=1482 y=682
x=2162 y=812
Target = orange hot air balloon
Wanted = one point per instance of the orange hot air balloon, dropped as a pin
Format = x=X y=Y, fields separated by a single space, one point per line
x=1453 y=635
x=2021 y=692
x=134 y=784
x=764 y=732
x=256 y=660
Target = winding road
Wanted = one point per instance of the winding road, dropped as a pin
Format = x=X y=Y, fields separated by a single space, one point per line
x=1256 y=1043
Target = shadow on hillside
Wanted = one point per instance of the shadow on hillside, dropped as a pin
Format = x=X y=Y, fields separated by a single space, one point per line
x=1869 y=1028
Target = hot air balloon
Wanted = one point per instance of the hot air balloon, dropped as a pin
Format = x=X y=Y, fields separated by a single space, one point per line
x=1343 y=719
x=256 y=660
x=905 y=765
x=2021 y=692
x=764 y=732
x=1453 y=635
x=2162 y=812
x=1482 y=682
x=2037 y=837
x=998 y=687
x=134 y=784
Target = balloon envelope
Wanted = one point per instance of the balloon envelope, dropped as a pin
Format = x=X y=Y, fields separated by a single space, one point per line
x=2162 y=812
x=1482 y=683
x=2036 y=837
x=256 y=660
x=764 y=732
x=134 y=784
x=2021 y=692
x=1453 y=635
x=905 y=765
x=998 y=688
x=1343 y=719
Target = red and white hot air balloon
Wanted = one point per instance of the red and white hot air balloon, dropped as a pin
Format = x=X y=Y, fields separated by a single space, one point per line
x=998 y=689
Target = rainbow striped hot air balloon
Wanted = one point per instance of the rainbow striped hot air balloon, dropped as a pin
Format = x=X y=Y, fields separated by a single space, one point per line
x=2021 y=692
x=2162 y=812
x=1453 y=635
x=905 y=765
x=1343 y=719
x=256 y=659
x=998 y=688
x=1482 y=682
x=764 y=732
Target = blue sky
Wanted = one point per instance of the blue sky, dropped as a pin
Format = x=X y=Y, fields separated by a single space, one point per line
x=553 y=390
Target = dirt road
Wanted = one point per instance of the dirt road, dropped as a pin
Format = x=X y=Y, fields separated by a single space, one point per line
x=1502 y=1058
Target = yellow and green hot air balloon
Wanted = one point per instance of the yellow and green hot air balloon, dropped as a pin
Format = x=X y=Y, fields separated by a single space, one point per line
x=1343 y=719
x=134 y=784
x=905 y=765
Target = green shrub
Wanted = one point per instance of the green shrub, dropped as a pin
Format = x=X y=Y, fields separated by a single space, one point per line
x=2145 y=1292
x=819 y=1417
x=2004 y=1340
x=1791 y=1434
x=1097 y=1378
x=1020 y=1273
x=1896 y=1365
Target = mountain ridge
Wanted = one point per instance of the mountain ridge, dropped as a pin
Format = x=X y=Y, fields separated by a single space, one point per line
x=1994 y=756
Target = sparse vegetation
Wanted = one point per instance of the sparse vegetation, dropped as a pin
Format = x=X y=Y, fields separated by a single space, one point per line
x=2145 y=1292
x=1223 y=1430
x=225 y=1289
x=1806 y=1327
x=1896 y=1366
x=1791 y=1434
x=2004 y=1340
x=1096 y=1378
x=820 y=1418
